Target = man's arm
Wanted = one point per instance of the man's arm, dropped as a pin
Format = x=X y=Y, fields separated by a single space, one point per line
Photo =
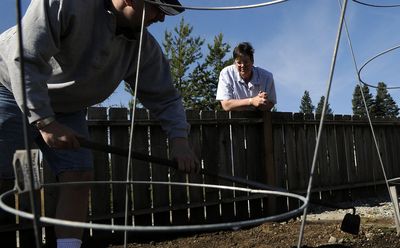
x=236 y=104
x=157 y=93
x=184 y=155
x=59 y=136
x=43 y=25
x=260 y=102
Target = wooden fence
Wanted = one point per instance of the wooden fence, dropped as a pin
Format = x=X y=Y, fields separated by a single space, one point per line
x=273 y=148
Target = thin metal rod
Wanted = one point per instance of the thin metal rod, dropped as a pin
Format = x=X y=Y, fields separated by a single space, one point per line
x=129 y=164
x=170 y=163
x=360 y=84
x=33 y=201
x=205 y=172
x=329 y=84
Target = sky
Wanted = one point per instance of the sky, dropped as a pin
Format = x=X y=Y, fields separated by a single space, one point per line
x=294 y=40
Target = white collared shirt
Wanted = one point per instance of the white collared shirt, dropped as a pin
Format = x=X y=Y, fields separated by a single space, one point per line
x=232 y=86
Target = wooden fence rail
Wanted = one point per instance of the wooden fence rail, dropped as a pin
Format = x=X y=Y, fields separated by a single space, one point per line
x=272 y=148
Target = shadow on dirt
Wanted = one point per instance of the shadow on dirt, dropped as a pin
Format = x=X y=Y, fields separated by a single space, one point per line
x=327 y=246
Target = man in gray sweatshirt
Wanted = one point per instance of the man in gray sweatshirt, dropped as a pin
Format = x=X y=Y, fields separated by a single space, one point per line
x=76 y=53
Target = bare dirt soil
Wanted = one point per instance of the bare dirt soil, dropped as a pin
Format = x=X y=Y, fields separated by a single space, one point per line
x=322 y=229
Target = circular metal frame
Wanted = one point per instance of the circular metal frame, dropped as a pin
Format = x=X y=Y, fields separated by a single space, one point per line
x=371 y=59
x=395 y=180
x=376 y=5
x=267 y=3
x=217 y=226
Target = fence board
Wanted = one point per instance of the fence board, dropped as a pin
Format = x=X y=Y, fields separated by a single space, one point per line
x=382 y=146
x=280 y=161
x=343 y=161
x=311 y=136
x=301 y=153
x=100 y=193
x=179 y=197
x=332 y=158
x=225 y=157
x=349 y=151
x=196 y=193
x=239 y=164
x=160 y=196
x=323 y=170
x=362 y=135
x=254 y=156
x=291 y=162
x=142 y=193
x=119 y=137
x=210 y=155
x=394 y=143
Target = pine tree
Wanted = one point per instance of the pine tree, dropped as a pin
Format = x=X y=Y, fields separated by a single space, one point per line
x=357 y=101
x=379 y=108
x=392 y=108
x=384 y=103
x=204 y=78
x=183 y=50
x=320 y=105
x=306 y=105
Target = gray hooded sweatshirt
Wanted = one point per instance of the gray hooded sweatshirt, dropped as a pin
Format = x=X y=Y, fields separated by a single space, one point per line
x=74 y=59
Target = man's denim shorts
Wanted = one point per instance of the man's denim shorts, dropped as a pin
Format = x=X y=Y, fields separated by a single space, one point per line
x=12 y=138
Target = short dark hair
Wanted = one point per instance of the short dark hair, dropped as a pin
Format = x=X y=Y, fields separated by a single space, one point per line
x=244 y=48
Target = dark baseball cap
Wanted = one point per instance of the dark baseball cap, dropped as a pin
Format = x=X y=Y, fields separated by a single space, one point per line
x=168 y=10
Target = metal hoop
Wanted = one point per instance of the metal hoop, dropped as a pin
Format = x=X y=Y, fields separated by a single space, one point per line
x=395 y=180
x=371 y=59
x=376 y=5
x=268 y=3
x=217 y=226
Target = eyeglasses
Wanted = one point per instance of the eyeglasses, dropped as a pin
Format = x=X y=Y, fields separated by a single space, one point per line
x=243 y=62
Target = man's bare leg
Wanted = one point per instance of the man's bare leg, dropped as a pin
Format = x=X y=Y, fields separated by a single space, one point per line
x=72 y=203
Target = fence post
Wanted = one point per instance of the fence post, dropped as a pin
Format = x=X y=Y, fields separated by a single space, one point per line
x=269 y=165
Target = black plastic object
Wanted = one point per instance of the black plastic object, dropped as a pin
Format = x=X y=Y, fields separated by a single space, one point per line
x=351 y=223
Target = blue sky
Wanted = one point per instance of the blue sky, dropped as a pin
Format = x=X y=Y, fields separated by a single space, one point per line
x=295 y=41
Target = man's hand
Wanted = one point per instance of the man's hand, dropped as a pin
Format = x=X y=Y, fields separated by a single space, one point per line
x=59 y=136
x=181 y=152
x=259 y=100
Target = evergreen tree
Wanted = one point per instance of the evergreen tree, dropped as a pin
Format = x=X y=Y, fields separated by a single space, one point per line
x=183 y=50
x=320 y=105
x=384 y=103
x=306 y=105
x=204 y=78
x=197 y=87
x=357 y=101
x=379 y=108
x=392 y=108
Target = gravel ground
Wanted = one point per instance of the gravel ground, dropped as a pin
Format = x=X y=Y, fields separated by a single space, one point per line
x=375 y=208
x=322 y=230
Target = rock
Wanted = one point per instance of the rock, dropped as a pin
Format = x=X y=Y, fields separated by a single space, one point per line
x=332 y=240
